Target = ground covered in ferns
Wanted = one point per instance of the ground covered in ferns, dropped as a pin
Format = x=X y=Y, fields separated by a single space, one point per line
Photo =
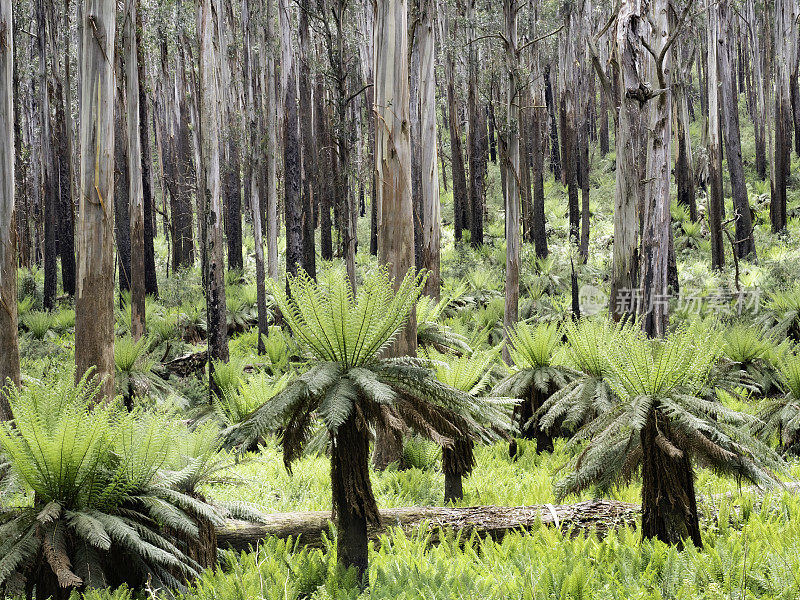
x=751 y=549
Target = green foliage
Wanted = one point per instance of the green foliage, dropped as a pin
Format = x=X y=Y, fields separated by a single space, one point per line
x=431 y=332
x=38 y=323
x=277 y=349
x=419 y=453
x=228 y=375
x=237 y=403
x=781 y=316
x=134 y=375
x=345 y=335
x=671 y=378
x=780 y=415
x=101 y=494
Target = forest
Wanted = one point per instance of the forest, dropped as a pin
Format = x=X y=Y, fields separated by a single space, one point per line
x=403 y=299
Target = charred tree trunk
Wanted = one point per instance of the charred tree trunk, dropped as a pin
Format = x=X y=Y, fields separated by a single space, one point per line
x=150 y=279
x=291 y=149
x=477 y=137
x=555 y=156
x=136 y=194
x=745 y=243
x=457 y=462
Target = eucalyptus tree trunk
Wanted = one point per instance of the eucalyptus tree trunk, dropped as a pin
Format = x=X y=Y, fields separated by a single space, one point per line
x=94 y=300
x=230 y=170
x=785 y=14
x=269 y=107
x=744 y=243
x=393 y=176
x=250 y=34
x=136 y=194
x=291 y=146
x=715 y=194
x=150 y=278
x=684 y=169
x=62 y=146
x=310 y=187
x=477 y=134
x=628 y=52
x=49 y=181
x=555 y=155
x=760 y=107
x=655 y=241
x=460 y=190
x=512 y=165
x=538 y=127
x=569 y=134
x=210 y=188
x=431 y=222
x=9 y=346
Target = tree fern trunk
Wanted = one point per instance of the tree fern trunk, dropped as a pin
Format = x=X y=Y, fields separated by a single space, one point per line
x=457 y=462
x=669 y=506
x=353 y=501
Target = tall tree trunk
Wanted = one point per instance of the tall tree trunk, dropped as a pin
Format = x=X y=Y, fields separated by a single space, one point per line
x=136 y=194
x=122 y=218
x=250 y=33
x=785 y=15
x=271 y=183
x=511 y=163
x=210 y=190
x=49 y=182
x=715 y=194
x=477 y=136
x=310 y=188
x=94 y=300
x=9 y=346
x=460 y=194
x=291 y=150
x=569 y=133
x=393 y=176
x=555 y=156
x=148 y=224
x=655 y=241
x=432 y=222
x=745 y=244
x=760 y=108
x=628 y=190
x=684 y=169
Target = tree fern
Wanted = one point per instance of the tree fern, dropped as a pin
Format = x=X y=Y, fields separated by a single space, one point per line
x=102 y=498
x=352 y=390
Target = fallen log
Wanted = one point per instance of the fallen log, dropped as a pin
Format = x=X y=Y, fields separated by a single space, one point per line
x=486 y=521
x=597 y=516
x=188 y=364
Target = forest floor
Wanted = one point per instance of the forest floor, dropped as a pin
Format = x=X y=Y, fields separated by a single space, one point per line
x=748 y=552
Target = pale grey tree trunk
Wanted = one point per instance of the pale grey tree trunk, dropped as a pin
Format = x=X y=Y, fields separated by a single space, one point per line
x=656 y=231
x=9 y=347
x=94 y=300
x=432 y=222
x=628 y=190
x=511 y=163
x=393 y=174
x=136 y=193
x=715 y=197
x=210 y=188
